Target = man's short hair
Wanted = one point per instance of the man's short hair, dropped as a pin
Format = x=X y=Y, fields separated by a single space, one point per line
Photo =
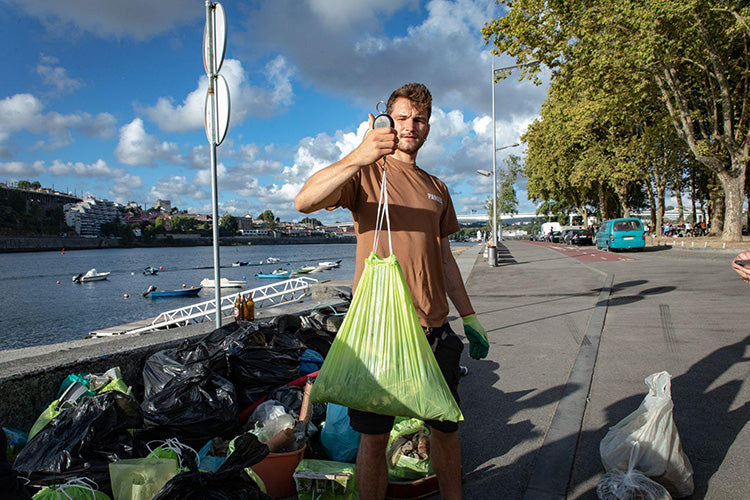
x=416 y=93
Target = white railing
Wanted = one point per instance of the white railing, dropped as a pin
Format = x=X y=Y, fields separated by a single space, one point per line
x=281 y=292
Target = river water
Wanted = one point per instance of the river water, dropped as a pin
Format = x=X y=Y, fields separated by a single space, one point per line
x=36 y=310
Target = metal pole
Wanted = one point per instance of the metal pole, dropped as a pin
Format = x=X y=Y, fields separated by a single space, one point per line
x=212 y=148
x=492 y=252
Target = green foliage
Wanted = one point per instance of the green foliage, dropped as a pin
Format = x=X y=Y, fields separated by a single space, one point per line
x=227 y=225
x=267 y=216
x=17 y=217
x=623 y=73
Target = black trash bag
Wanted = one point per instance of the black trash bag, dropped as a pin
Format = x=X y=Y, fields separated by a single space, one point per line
x=82 y=440
x=290 y=397
x=229 y=482
x=256 y=371
x=12 y=487
x=317 y=340
x=193 y=409
x=209 y=352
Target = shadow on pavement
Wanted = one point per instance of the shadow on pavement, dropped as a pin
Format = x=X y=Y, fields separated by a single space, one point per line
x=705 y=419
x=494 y=431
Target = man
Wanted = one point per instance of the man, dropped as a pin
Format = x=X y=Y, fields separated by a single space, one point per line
x=422 y=217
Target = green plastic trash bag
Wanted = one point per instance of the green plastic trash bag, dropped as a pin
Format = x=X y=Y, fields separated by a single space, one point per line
x=325 y=480
x=380 y=360
x=75 y=387
x=75 y=489
x=140 y=478
x=404 y=460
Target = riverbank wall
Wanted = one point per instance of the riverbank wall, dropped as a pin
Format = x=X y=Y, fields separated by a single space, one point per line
x=30 y=377
x=41 y=244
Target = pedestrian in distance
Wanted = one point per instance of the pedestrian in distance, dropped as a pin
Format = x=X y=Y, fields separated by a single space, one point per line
x=741 y=265
x=422 y=218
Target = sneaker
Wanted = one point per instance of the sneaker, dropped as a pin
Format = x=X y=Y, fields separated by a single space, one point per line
x=464 y=370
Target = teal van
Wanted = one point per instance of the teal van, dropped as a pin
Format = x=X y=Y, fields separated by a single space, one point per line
x=621 y=234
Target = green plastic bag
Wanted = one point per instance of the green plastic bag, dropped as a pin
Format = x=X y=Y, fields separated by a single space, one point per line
x=140 y=478
x=325 y=480
x=402 y=467
x=75 y=489
x=380 y=360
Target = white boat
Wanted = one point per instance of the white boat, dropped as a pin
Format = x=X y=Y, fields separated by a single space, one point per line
x=272 y=260
x=225 y=283
x=329 y=264
x=91 y=275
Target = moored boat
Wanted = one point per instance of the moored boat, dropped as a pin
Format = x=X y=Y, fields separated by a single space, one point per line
x=329 y=264
x=90 y=275
x=192 y=291
x=239 y=263
x=278 y=274
x=224 y=283
x=150 y=271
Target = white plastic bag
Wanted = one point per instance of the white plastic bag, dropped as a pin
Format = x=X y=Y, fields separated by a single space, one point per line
x=630 y=485
x=653 y=427
x=270 y=418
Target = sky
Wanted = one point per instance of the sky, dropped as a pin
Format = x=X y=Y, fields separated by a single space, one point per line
x=106 y=98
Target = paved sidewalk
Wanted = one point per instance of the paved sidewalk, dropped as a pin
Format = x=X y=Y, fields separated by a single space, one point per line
x=571 y=343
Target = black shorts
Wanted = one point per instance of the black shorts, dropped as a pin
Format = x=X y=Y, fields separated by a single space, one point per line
x=447 y=348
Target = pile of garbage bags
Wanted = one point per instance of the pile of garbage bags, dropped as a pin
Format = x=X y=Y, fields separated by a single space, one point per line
x=191 y=435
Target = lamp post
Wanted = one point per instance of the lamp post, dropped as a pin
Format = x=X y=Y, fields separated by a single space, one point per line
x=492 y=252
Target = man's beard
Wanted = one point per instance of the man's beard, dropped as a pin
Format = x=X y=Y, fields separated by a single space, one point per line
x=410 y=147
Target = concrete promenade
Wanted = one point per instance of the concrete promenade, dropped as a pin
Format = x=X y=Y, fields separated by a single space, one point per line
x=573 y=335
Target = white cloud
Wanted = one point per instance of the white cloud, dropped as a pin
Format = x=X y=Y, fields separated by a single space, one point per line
x=138 y=19
x=18 y=169
x=344 y=50
x=25 y=112
x=177 y=188
x=56 y=76
x=136 y=147
x=125 y=188
x=79 y=169
x=246 y=99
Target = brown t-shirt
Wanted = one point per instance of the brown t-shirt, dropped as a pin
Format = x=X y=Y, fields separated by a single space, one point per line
x=421 y=213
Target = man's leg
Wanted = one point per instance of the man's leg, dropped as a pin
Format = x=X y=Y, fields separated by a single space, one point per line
x=445 y=454
x=372 y=471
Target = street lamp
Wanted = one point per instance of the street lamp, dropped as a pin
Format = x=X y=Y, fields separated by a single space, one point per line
x=492 y=252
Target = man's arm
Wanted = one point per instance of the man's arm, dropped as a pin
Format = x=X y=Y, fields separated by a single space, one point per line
x=479 y=346
x=453 y=281
x=323 y=188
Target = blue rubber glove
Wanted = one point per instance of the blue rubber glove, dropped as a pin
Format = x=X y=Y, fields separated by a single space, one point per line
x=478 y=344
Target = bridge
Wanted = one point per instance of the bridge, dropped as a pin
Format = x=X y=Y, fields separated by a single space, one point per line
x=484 y=217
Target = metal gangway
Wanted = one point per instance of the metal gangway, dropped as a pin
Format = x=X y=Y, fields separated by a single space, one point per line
x=282 y=292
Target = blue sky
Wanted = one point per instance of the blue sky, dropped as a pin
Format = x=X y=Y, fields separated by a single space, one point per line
x=106 y=98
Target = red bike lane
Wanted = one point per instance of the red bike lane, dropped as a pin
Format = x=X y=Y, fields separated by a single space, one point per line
x=584 y=253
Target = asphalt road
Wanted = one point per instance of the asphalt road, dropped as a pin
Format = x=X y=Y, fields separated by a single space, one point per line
x=574 y=333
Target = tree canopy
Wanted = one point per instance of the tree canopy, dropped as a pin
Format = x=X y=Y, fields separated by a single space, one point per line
x=620 y=71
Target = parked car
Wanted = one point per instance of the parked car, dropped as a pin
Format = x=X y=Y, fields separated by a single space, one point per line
x=578 y=237
x=621 y=234
x=555 y=237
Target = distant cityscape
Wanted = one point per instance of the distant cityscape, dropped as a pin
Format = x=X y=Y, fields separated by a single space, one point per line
x=86 y=216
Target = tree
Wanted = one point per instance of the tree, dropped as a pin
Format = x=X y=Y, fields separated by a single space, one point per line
x=23 y=184
x=267 y=216
x=227 y=225
x=694 y=51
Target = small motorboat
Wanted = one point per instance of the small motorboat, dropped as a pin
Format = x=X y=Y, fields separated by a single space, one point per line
x=272 y=260
x=224 y=283
x=192 y=291
x=329 y=264
x=150 y=271
x=240 y=263
x=90 y=275
x=277 y=274
x=304 y=270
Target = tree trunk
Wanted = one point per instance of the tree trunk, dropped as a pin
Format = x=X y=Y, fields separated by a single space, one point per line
x=692 y=194
x=660 y=196
x=680 y=207
x=734 y=196
x=621 y=190
x=652 y=206
x=716 y=213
